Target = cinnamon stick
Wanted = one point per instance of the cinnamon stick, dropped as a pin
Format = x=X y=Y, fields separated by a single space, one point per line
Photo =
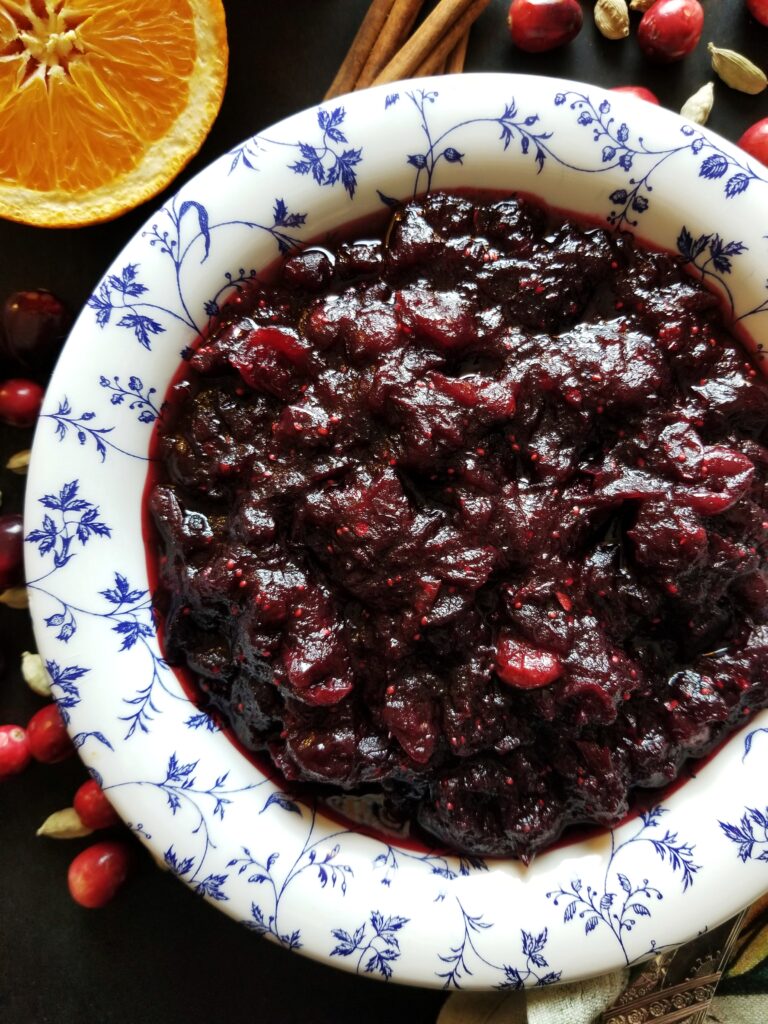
x=457 y=57
x=433 y=65
x=393 y=35
x=439 y=32
x=361 y=47
x=437 y=62
x=452 y=65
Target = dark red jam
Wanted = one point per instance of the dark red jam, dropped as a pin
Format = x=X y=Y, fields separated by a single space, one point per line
x=473 y=517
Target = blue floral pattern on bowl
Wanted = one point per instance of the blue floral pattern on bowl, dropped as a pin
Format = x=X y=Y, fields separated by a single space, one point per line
x=288 y=870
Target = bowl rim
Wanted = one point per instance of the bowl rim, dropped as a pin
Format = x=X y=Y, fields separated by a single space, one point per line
x=424 y=884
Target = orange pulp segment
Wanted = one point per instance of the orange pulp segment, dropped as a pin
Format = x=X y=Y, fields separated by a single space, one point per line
x=102 y=102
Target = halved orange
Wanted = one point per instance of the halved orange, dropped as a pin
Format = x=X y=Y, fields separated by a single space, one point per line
x=102 y=102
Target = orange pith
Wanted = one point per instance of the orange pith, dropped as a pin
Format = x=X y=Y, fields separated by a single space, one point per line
x=102 y=102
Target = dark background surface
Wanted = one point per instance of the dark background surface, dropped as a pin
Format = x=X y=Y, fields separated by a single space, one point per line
x=158 y=954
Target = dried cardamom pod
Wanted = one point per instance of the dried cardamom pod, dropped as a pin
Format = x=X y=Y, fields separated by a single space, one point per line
x=15 y=597
x=698 y=107
x=737 y=70
x=19 y=462
x=64 y=824
x=612 y=18
x=641 y=5
x=35 y=675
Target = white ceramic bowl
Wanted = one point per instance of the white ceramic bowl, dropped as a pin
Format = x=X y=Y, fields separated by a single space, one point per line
x=288 y=872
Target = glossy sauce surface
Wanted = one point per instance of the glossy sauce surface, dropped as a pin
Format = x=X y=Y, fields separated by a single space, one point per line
x=474 y=517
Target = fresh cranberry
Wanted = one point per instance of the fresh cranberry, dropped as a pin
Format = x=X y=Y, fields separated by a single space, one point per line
x=11 y=550
x=96 y=874
x=520 y=664
x=34 y=326
x=14 y=750
x=759 y=10
x=639 y=91
x=670 y=29
x=92 y=806
x=755 y=141
x=538 y=25
x=49 y=741
x=20 y=402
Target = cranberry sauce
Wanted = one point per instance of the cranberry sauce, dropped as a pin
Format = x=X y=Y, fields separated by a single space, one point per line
x=473 y=517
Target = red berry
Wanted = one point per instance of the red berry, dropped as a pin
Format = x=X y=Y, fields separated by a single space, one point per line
x=34 y=327
x=755 y=141
x=93 y=808
x=759 y=10
x=11 y=550
x=522 y=665
x=538 y=25
x=638 y=91
x=670 y=29
x=96 y=874
x=14 y=750
x=20 y=402
x=48 y=737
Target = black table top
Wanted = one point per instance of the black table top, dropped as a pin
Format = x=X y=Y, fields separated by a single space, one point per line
x=158 y=953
